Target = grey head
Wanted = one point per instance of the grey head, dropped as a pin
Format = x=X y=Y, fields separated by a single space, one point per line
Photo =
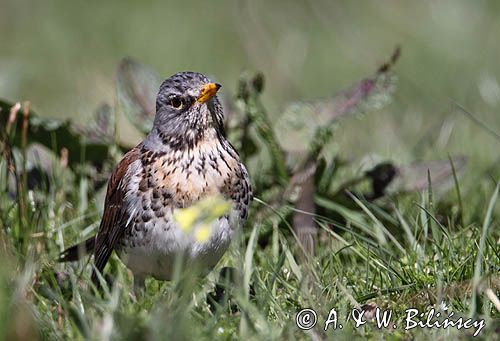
x=187 y=109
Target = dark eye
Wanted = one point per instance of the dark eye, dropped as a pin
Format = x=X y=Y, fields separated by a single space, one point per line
x=176 y=102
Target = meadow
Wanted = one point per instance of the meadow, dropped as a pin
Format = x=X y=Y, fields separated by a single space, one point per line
x=370 y=131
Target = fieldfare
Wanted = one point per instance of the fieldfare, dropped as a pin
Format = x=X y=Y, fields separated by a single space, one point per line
x=184 y=159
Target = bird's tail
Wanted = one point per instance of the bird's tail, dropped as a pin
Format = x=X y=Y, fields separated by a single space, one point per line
x=77 y=251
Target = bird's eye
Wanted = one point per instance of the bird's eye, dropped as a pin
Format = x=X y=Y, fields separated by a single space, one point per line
x=176 y=102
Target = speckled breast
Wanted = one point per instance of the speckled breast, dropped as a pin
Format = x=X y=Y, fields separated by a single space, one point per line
x=160 y=183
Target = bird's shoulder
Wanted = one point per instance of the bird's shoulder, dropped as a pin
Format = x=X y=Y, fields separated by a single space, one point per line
x=122 y=171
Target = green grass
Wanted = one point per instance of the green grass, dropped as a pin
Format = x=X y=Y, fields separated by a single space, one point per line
x=348 y=269
x=424 y=249
x=417 y=250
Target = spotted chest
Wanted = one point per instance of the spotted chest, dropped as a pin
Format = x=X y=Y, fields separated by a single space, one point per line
x=158 y=184
x=161 y=182
x=207 y=169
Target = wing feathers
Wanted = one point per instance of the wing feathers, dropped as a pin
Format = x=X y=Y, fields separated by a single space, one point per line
x=77 y=251
x=114 y=217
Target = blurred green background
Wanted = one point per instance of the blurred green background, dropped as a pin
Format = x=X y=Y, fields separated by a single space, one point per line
x=62 y=55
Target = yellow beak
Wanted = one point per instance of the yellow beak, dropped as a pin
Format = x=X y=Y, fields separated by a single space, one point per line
x=208 y=91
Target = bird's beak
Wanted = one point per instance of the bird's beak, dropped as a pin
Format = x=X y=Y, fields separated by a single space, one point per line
x=208 y=91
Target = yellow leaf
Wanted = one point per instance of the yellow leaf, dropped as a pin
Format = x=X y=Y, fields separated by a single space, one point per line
x=186 y=217
x=202 y=233
x=201 y=214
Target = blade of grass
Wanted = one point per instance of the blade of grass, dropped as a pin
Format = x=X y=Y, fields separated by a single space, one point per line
x=355 y=250
x=477 y=121
x=377 y=222
x=457 y=188
x=247 y=274
x=479 y=259
x=430 y=201
x=428 y=214
x=406 y=228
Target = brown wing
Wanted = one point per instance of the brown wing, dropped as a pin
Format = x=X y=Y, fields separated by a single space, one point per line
x=112 y=223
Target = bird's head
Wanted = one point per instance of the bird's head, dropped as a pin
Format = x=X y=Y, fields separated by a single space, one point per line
x=187 y=108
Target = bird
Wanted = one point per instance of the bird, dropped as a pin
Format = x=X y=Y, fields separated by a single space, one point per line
x=185 y=158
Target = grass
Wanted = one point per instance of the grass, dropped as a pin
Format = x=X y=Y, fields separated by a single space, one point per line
x=435 y=247
x=413 y=251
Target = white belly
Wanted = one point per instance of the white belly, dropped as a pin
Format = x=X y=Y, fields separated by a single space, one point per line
x=155 y=253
